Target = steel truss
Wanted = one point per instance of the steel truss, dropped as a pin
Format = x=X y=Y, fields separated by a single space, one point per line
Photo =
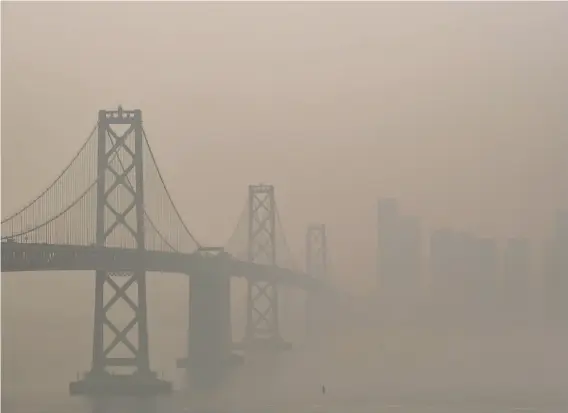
x=316 y=267
x=262 y=297
x=120 y=206
x=316 y=251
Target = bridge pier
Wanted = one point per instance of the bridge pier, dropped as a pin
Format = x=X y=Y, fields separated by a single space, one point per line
x=209 y=341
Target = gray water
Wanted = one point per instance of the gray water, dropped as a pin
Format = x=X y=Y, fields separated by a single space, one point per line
x=46 y=341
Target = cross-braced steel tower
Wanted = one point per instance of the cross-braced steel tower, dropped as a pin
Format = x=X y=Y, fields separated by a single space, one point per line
x=316 y=251
x=317 y=304
x=120 y=222
x=262 y=297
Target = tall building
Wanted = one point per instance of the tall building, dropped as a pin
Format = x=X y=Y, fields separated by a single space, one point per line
x=405 y=287
x=465 y=276
x=556 y=271
x=409 y=252
x=387 y=221
x=561 y=227
x=515 y=283
x=485 y=287
x=399 y=261
x=443 y=259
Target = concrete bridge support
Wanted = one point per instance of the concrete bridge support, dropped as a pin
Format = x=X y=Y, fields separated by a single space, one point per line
x=209 y=341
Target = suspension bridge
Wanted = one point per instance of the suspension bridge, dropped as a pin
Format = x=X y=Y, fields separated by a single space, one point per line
x=110 y=211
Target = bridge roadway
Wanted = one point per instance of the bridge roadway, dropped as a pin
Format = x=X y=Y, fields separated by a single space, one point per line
x=51 y=257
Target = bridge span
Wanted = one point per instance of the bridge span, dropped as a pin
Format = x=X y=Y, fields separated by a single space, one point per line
x=110 y=211
x=20 y=257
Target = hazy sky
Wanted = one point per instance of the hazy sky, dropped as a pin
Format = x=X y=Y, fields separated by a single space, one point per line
x=459 y=110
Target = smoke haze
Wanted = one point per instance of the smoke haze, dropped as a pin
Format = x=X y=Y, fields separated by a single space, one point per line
x=458 y=110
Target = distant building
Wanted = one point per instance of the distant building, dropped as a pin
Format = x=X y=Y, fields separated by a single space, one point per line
x=440 y=262
x=463 y=276
x=485 y=285
x=561 y=227
x=488 y=256
x=409 y=248
x=387 y=221
x=443 y=263
x=556 y=271
x=515 y=285
x=398 y=260
x=407 y=260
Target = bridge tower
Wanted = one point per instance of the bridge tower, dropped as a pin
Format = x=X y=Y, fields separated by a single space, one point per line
x=262 y=328
x=316 y=267
x=120 y=223
x=316 y=251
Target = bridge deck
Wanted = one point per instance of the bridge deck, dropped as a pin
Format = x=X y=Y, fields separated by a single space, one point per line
x=48 y=257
